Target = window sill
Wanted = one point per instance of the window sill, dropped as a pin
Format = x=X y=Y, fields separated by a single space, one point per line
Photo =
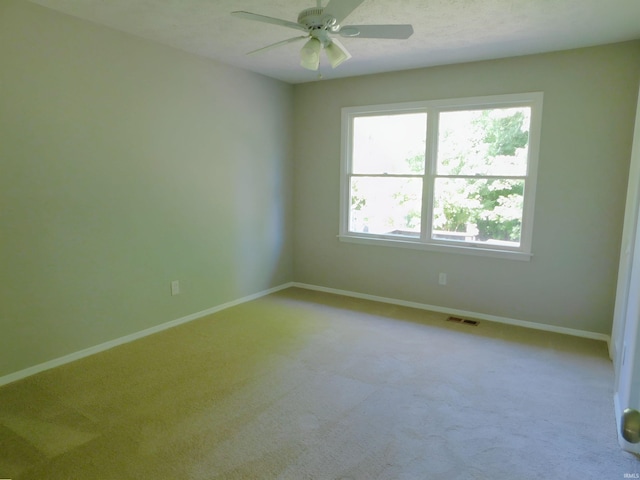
x=465 y=249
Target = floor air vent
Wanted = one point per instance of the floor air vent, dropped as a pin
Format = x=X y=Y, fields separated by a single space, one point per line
x=463 y=320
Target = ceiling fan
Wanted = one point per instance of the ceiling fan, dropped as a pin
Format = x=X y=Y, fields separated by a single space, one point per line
x=319 y=24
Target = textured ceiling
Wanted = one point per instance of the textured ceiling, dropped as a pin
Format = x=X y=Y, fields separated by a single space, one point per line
x=446 y=31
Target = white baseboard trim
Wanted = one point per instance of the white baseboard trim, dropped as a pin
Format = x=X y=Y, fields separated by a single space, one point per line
x=613 y=351
x=460 y=313
x=27 y=372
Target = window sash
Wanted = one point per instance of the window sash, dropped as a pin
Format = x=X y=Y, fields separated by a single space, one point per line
x=430 y=175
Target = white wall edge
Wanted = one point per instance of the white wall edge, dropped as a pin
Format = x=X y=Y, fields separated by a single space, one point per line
x=461 y=313
x=27 y=372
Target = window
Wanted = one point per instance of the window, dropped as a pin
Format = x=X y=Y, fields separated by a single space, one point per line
x=450 y=175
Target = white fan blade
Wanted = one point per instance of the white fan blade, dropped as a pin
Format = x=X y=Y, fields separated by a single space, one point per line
x=277 y=44
x=377 y=31
x=264 y=19
x=340 y=9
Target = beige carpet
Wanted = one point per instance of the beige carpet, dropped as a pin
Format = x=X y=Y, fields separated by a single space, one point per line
x=305 y=385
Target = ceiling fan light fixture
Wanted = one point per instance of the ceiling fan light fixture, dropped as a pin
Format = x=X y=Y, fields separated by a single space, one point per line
x=310 y=54
x=336 y=53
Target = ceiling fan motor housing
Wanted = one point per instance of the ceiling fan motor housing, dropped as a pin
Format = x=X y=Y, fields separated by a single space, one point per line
x=314 y=19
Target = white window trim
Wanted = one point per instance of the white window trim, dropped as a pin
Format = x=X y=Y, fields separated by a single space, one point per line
x=432 y=108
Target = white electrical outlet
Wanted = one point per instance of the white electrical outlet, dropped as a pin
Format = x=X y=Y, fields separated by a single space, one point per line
x=442 y=279
x=175 y=287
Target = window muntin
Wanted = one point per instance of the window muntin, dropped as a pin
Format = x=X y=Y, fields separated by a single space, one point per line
x=468 y=180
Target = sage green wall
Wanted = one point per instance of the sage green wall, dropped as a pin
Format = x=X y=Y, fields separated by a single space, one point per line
x=589 y=105
x=124 y=165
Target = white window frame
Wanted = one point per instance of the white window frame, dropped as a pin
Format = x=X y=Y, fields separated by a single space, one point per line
x=432 y=109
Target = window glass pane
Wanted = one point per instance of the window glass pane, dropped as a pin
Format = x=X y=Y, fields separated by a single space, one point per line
x=484 y=142
x=389 y=144
x=478 y=210
x=389 y=206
